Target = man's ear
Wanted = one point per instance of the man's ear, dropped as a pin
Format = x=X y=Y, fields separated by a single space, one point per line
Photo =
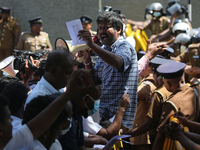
x=118 y=30
x=169 y=84
x=53 y=70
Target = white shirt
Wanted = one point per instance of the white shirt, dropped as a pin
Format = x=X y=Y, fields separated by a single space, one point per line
x=22 y=137
x=43 y=87
x=90 y=126
x=56 y=146
x=36 y=145
x=16 y=123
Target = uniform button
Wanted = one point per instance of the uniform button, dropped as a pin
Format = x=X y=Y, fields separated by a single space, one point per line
x=1 y=38
x=2 y=34
x=4 y=26
x=3 y=30
x=136 y=125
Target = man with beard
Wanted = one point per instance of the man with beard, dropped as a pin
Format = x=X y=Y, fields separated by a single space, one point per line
x=116 y=66
x=36 y=39
x=9 y=29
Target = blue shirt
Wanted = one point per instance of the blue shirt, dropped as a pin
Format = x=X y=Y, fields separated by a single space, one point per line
x=116 y=80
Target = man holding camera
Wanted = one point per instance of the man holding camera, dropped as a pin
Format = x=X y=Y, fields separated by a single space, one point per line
x=36 y=39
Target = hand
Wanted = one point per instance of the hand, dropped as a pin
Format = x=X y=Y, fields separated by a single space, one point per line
x=188 y=70
x=75 y=83
x=28 y=71
x=86 y=36
x=154 y=49
x=87 y=58
x=124 y=102
x=181 y=117
x=173 y=130
x=196 y=70
x=194 y=81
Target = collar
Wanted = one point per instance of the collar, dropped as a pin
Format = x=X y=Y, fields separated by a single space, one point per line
x=48 y=85
x=114 y=44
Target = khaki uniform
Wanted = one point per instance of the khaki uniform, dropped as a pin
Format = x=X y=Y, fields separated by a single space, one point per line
x=32 y=43
x=158 y=26
x=184 y=99
x=191 y=55
x=7 y=37
x=176 y=49
x=155 y=110
x=146 y=87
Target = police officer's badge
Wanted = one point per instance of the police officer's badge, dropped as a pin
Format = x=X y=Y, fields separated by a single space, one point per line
x=147 y=82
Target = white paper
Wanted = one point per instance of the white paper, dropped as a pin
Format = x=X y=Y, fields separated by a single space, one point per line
x=73 y=27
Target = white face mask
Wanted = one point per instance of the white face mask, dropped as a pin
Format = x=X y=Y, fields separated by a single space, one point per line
x=63 y=132
x=156 y=14
x=148 y=16
x=124 y=27
x=182 y=48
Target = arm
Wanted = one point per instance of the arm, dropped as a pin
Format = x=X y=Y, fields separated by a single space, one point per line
x=113 y=129
x=175 y=131
x=136 y=23
x=16 y=34
x=160 y=138
x=94 y=139
x=195 y=126
x=49 y=47
x=110 y=58
x=151 y=51
x=37 y=125
x=146 y=126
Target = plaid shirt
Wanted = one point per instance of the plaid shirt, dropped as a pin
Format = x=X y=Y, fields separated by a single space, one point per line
x=115 y=81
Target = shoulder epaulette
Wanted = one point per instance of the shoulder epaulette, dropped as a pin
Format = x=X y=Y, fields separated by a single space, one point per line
x=194 y=45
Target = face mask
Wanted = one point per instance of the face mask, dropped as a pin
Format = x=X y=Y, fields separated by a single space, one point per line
x=148 y=17
x=63 y=132
x=156 y=14
x=182 y=48
x=96 y=106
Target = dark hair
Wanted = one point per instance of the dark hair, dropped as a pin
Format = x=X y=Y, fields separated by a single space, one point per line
x=17 y=94
x=3 y=103
x=7 y=79
x=38 y=104
x=111 y=18
x=56 y=58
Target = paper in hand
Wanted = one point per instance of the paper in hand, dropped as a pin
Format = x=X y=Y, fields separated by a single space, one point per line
x=73 y=27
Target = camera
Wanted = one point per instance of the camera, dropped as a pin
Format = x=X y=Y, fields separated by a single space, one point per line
x=21 y=56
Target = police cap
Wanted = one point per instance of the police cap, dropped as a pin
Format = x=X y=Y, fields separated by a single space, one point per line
x=167 y=52
x=171 y=70
x=35 y=20
x=157 y=61
x=85 y=19
x=5 y=9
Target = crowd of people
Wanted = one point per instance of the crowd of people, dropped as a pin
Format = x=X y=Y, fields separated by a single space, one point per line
x=81 y=100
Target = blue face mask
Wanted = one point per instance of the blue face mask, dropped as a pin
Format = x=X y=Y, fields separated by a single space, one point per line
x=96 y=106
x=156 y=14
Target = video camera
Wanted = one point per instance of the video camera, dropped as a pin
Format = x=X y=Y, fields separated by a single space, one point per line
x=21 y=56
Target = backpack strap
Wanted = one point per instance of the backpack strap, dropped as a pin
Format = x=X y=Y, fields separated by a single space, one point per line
x=197 y=103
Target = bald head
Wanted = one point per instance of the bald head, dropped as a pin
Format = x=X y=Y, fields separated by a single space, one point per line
x=57 y=59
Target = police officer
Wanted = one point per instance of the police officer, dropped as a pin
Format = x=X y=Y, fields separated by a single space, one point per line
x=9 y=33
x=192 y=55
x=182 y=98
x=159 y=22
x=87 y=24
x=142 y=124
x=36 y=39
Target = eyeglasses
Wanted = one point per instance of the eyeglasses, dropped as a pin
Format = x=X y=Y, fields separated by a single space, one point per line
x=90 y=98
x=104 y=28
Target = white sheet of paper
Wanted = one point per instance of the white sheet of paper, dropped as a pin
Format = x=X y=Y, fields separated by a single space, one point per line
x=73 y=27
